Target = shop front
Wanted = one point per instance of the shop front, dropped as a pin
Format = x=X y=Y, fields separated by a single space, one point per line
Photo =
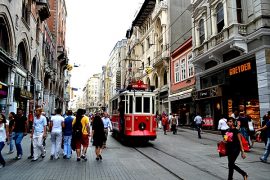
x=21 y=97
x=183 y=106
x=208 y=103
x=241 y=90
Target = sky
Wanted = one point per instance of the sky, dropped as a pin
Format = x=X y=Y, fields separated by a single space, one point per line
x=93 y=29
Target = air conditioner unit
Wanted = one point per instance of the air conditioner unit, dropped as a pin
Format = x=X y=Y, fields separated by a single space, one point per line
x=38 y=87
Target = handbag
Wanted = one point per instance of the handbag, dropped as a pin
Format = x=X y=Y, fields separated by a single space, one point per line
x=245 y=143
x=222 y=149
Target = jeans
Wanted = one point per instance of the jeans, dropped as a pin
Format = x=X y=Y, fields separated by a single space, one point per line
x=267 y=150
x=231 y=164
x=18 y=139
x=67 y=146
x=199 y=127
x=37 y=145
x=56 y=139
x=2 y=161
x=11 y=144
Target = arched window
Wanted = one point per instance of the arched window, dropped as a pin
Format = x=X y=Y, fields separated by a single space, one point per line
x=4 y=38
x=156 y=82
x=201 y=31
x=220 y=17
x=22 y=55
x=165 y=78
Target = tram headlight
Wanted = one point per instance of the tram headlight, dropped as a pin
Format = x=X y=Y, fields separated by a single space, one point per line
x=142 y=126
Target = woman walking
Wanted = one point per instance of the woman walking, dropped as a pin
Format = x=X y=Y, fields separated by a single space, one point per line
x=4 y=134
x=98 y=135
x=234 y=146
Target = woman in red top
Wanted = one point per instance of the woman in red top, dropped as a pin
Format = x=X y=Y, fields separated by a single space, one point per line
x=164 y=123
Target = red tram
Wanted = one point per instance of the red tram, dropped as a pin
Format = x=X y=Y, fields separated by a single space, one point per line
x=133 y=113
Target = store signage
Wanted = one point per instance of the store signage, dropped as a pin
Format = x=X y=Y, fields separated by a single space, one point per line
x=207 y=93
x=240 y=69
x=139 y=85
x=23 y=93
x=3 y=91
x=204 y=94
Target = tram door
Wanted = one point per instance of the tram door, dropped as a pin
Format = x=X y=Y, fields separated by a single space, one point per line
x=122 y=113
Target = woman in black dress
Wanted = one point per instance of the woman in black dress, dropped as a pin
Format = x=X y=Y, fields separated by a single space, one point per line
x=98 y=135
x=234 y=146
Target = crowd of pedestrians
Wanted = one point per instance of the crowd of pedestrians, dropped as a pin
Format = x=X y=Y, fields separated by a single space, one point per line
x=67 y=132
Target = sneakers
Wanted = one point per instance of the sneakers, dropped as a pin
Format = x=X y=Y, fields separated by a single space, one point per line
x=65 y=157
x=83 y=157
x=30 y=157
x=262 y=160
x=33 y=160
x=43 y=155
x=18 y=157
x=78 y=159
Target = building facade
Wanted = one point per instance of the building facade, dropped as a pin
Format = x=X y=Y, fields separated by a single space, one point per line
x=231 y=57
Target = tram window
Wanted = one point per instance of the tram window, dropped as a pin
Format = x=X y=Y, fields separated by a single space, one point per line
x=127 y=104
x=138 y=104
x=153 y=105
x=146 y=104
x=130 y=104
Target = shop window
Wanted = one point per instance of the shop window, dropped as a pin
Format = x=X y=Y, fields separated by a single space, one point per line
x=220 y=17
x=146 y=104
x=201 y=31
x=138 y=107
x=176 y=72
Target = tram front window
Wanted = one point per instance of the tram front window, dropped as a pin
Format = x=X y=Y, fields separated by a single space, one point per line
x=146 y=105
x=138 y=108
x=130 y=104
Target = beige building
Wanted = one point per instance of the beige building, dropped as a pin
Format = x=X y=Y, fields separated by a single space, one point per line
x=93 y=99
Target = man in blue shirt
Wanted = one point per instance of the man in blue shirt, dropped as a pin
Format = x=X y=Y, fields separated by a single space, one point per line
x=38 y=133
x=267 y=147
x=68 y=134
x=107 y=125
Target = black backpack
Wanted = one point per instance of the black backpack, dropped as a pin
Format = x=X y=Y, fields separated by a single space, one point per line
x=77 y=130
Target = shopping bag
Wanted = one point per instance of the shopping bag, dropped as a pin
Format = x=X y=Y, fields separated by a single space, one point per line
x=245 y=143
x=221 y=148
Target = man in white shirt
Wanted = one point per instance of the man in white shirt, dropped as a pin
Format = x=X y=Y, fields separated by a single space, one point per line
x=107 y=126
x=222 y=125
x=198 y=121
x=56 y=125
x=38 y=133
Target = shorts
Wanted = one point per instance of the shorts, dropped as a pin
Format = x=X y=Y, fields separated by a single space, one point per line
x=83 y=141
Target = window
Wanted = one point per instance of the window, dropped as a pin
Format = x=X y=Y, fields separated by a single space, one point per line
x=190 y=66
x=138 y=108
x=239 y=11
x=220 y=17
x=156 y=82
x=148 y=42
x=201 y=31
x=146 y=105
x=142 y=49
x=149 y=61
x=183 y=69
x=4 y=38
x=130 y=104
x=165 y=78
x=177 y=72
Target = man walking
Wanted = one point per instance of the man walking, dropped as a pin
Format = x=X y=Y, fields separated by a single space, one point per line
x=38 y=133
x=20 y=130
x=107 y=125
x=198 y=121
x=67 y=131
x=56 y=125
x=222 y=125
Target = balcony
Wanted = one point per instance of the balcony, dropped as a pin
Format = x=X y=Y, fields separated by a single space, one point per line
x=43 y=9
x=159 y=8
x=160 y=58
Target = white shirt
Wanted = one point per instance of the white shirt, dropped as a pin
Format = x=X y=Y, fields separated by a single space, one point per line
x=39 y=124
x=107 y=123
x=3 y=135
x=198 y=119
x=222 y=124
x=57 y=123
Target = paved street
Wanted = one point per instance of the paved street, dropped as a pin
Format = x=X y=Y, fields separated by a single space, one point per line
x=185 y=156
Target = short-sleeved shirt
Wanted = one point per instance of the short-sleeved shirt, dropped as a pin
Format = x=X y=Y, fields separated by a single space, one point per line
x=57 y=123
x=39 y=124
x=68 y=126
x=20 y=124
x=3 y=135
x=85 y=122
x=198 y=119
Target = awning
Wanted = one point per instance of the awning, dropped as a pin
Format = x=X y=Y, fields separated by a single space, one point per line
x=180 y=95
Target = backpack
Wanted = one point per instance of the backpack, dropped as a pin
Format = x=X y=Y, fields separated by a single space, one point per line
x=77 y=130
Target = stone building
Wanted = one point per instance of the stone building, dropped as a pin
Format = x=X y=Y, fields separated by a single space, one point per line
x=231 y=41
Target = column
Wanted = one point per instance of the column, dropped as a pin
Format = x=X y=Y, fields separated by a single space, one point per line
x=233 y=13
x=214 y=21
x=12 y=105
x=263 y=78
